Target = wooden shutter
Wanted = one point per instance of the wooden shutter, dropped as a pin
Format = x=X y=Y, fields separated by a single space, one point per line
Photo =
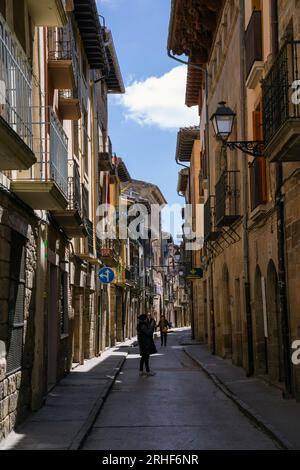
x=16 y=303
x=258 y=135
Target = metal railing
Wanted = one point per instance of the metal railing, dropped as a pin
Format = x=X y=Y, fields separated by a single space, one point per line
x=61 y=44
x=131 y=275
x=210 y=230
x=50 y=146
x=253 y=41
x=110 y=248
x=278 y=105
x=74 y=188
x=15 y=85
x=90 y=235
x=85 y=202
x=58 y=153
x=227 y=199
x=105 y=151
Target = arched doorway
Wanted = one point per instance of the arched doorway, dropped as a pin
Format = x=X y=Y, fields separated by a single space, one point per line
x=227 y=319
x=274 y=330
x=260 y=347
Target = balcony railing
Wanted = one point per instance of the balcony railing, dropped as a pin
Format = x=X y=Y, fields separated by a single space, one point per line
x=110 y=249
x=90 y=235
x=15 y=85
x=85 y=202
x=228 y=199
x=258 y=184
x=253 y=41
x=58 y=161
x=105 y=155
x=61 y=44
x=210 y=230
x=278 y=103
x=74 y=188
x=131 y=275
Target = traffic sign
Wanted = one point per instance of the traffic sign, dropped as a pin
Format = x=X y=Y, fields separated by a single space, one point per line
x=106 y=275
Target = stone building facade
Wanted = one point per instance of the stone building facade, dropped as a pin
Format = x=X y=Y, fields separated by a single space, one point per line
x=247 y=56
x=56 y=168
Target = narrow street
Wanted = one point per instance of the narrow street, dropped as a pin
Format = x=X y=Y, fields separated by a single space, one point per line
x=179 y=408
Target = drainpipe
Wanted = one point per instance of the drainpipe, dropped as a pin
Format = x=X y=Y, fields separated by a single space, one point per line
x=247 y=292
x=282 y=271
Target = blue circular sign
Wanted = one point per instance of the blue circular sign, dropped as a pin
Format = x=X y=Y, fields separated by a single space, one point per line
x=106 y=275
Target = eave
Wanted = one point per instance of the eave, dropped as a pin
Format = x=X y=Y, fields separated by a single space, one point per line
x=91 y=32
x=114 y=80
x=185 y=143
x=122 y=171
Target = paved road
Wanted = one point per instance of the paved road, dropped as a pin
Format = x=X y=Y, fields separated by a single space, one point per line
x=178 y=409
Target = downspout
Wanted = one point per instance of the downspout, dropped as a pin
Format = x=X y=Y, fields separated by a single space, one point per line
x=247 y=292
x=282 y=271
x=211 y=275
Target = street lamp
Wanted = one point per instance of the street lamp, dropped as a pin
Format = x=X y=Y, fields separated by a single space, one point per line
x=223 y=122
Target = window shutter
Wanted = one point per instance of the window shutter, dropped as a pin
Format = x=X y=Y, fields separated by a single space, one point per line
x=16 y=303
x=258 y=135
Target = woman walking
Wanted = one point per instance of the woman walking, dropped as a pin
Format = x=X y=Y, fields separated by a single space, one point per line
x=145 y=330
x=163 y=325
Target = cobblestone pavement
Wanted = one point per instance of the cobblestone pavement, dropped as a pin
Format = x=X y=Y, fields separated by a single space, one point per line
x=179 y=408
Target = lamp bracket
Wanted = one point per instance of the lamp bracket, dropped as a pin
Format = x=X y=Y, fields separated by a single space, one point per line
x=254 y=148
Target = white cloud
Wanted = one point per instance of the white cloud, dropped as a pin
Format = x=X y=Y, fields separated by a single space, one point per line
x=160 y=101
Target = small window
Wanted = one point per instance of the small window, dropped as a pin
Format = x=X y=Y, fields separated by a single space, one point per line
x=16 y=304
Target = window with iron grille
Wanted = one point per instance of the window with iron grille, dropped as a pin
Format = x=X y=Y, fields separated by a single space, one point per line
x=16 y=304
x=63 y=303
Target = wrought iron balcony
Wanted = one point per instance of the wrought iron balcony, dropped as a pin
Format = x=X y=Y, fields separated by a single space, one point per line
x=45 y=185
x=281 y=107
x=71 y=219
x=110 y=252
x=105 y=155
x=253 y=41
x=258 y=185
x=74 y=188
x=228 y=199
x=211 y=233
x=90 y=236
x=63 y=62
x=69 y=103
x=131 y=276
x=16 y=133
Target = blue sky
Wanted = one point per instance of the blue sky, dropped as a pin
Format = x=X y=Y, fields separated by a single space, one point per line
x=144 y=122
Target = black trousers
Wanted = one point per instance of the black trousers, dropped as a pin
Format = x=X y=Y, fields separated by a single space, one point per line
x=144 y=360
x=163 y=338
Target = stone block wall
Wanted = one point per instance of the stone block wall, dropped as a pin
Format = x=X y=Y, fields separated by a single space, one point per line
x=15 y=389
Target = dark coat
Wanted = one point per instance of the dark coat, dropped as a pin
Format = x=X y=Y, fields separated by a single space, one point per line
x=145 y=336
